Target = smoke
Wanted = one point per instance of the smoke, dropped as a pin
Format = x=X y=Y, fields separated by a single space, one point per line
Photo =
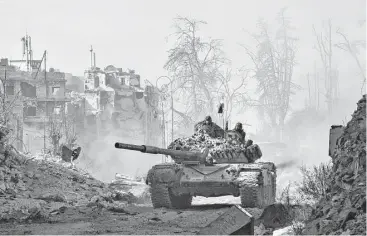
x=102 y=160
x=75 y=83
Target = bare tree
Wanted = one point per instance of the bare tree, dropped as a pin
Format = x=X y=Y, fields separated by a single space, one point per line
x=353 y=48
x=325 y=48
x=69 y=128
x=233 y=95
x=274 y=61
x=194 y=64
x=55 y=132
x=8 y=99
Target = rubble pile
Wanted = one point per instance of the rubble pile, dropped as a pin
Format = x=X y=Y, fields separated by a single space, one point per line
x=34 y=189
x=135 y=190
x=343 y=210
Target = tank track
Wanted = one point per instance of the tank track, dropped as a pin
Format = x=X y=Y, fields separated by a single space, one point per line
x=162 y=196
x=257 y=196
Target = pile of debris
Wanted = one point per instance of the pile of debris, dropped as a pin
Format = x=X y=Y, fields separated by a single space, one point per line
x=343 y=210
x=34 y=189
x=135 y=190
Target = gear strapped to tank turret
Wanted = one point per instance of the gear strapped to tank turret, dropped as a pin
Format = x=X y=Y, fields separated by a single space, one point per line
x=211 y=162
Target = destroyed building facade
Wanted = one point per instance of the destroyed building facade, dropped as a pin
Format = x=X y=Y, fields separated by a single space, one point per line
x=103 y=102
x=114 y=100
x=33 y=97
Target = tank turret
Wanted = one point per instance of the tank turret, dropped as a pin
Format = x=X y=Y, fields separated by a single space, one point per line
x=184 y=157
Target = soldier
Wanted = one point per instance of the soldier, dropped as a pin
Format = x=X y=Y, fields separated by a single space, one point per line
x=238 y=128
x=209 y=127
x=208 y=120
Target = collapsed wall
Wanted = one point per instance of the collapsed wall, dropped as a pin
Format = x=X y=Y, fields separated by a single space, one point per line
x=343 y=210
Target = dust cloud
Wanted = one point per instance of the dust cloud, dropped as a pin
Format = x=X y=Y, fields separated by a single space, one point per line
x=103 y=160
x=307 y=138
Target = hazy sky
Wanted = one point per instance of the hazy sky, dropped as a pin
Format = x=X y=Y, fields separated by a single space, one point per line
x=133 y=34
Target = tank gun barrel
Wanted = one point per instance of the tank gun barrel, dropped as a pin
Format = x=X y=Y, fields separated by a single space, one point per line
x=175 y=154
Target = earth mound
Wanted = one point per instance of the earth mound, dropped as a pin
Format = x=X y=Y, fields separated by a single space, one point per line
x=33 y=189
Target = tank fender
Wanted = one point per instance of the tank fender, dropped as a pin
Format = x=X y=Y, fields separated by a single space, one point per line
x=169 y=174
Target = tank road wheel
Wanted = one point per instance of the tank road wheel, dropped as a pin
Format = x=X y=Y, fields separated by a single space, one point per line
x=162 y=196
x=251 y=196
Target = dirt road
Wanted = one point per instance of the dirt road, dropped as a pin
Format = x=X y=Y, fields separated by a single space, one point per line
x=137 y=219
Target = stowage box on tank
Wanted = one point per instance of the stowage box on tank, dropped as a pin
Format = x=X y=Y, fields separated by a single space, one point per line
x=209 y=166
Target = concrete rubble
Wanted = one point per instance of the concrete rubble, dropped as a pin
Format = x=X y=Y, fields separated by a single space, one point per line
x=343 y=210
x=34 y=187
x=236 y=220
x=135 y=189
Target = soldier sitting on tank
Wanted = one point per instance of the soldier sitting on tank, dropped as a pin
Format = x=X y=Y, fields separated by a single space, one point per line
x=238 y=128
x=238 y=135
x=209 y=127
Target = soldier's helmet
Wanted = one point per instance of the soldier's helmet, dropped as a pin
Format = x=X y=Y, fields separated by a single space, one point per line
x=238 y=127
x=208 y=119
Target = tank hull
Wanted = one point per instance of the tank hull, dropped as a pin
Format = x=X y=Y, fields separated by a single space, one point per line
x=254 y=183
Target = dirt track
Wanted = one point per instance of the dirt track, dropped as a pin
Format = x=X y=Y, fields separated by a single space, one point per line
x=136 y=220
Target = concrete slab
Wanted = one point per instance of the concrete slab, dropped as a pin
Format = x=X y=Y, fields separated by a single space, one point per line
x=235 y=221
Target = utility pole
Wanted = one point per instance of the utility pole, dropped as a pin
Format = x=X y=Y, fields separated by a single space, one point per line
x=94 y=62
x=44 y=121
x=172 y=110
x=4 y=97
x=91 y=56
x=163 y=128
x=171 y=101
x=27 y=51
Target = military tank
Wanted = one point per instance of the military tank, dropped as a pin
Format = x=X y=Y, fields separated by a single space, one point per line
x=213 y=162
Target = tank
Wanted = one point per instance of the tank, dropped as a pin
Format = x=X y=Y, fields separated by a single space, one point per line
x=209 y=164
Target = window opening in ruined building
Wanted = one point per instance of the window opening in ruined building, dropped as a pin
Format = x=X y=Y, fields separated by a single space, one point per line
x=139 y=95
x=122 y=81
x=30 y=111
x=28 y=90
x=55 y=90
x=96 y=82
x=10 y=90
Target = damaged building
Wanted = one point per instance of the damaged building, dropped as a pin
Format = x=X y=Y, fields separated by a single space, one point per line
x=33 y=97
x=43 y=105
x=113 y=101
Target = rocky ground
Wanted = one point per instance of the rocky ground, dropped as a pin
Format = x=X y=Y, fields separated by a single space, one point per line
x=343 y=209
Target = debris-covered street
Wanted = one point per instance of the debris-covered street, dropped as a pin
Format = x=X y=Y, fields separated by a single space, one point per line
x=48 y=196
